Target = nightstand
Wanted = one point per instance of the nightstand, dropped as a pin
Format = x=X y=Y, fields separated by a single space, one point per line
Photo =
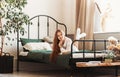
x=6 y=64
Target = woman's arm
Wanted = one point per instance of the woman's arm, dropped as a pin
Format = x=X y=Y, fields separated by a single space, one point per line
x=66 y=48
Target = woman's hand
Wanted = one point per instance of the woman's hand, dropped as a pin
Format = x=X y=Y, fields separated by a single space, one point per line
x=60 y=44
x=64 y=52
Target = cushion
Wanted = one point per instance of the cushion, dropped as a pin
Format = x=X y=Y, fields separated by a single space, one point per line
x=26 y=40
x=37 y=46
x=48 y=39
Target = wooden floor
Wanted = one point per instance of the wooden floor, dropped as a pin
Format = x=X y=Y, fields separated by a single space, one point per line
x=57 y=73
x=39 y=70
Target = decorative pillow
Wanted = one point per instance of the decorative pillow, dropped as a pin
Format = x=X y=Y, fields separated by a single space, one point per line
x=48 y=39
x=37 y=46
x=26 y=40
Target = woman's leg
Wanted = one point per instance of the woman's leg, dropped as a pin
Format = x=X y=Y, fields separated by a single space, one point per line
x=78 y=36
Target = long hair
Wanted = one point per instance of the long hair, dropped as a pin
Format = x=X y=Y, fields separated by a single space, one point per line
x=56 y=48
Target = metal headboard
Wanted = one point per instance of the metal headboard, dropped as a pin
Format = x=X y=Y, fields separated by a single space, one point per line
x=48 y=18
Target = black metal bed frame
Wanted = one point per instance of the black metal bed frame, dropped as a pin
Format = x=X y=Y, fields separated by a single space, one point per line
x=72 y=61
x=38 y=24
x=84 y=59
x=93 y=45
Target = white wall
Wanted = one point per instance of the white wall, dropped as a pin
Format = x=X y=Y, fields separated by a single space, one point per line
x=61 y=10
x=69 y=15
x=47 y=7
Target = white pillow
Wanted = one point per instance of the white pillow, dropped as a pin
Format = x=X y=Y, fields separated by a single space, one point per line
x=37 y=46
x=48 y=39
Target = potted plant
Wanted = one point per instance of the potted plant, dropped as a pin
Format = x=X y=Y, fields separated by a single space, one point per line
x=109 y=56
x=11 y=11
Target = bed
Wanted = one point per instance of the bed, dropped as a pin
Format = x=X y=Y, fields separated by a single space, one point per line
x=40 y=54
x=43 y=26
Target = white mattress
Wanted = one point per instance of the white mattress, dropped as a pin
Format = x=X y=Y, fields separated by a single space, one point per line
x=88 y=55
x=22 y=53
x=75 y=55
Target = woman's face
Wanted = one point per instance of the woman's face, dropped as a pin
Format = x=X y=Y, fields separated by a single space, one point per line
x=60 y=36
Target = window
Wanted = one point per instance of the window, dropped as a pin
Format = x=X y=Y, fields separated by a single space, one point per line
x=109 y=16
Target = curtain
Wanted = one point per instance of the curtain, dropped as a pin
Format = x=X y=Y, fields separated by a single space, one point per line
x=85 y=18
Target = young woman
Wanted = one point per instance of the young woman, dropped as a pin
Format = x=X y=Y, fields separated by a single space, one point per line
x=62 y=44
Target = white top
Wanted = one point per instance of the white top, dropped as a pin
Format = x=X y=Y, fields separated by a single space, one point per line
x=67 y=46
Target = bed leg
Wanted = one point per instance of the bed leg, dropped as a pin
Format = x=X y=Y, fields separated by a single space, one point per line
x=17 y=66
x=116 y=71
x=71 y=72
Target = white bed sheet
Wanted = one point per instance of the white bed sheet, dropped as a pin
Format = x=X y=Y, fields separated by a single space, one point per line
x=22 y=53
x=75 y=55
x=88 y=55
